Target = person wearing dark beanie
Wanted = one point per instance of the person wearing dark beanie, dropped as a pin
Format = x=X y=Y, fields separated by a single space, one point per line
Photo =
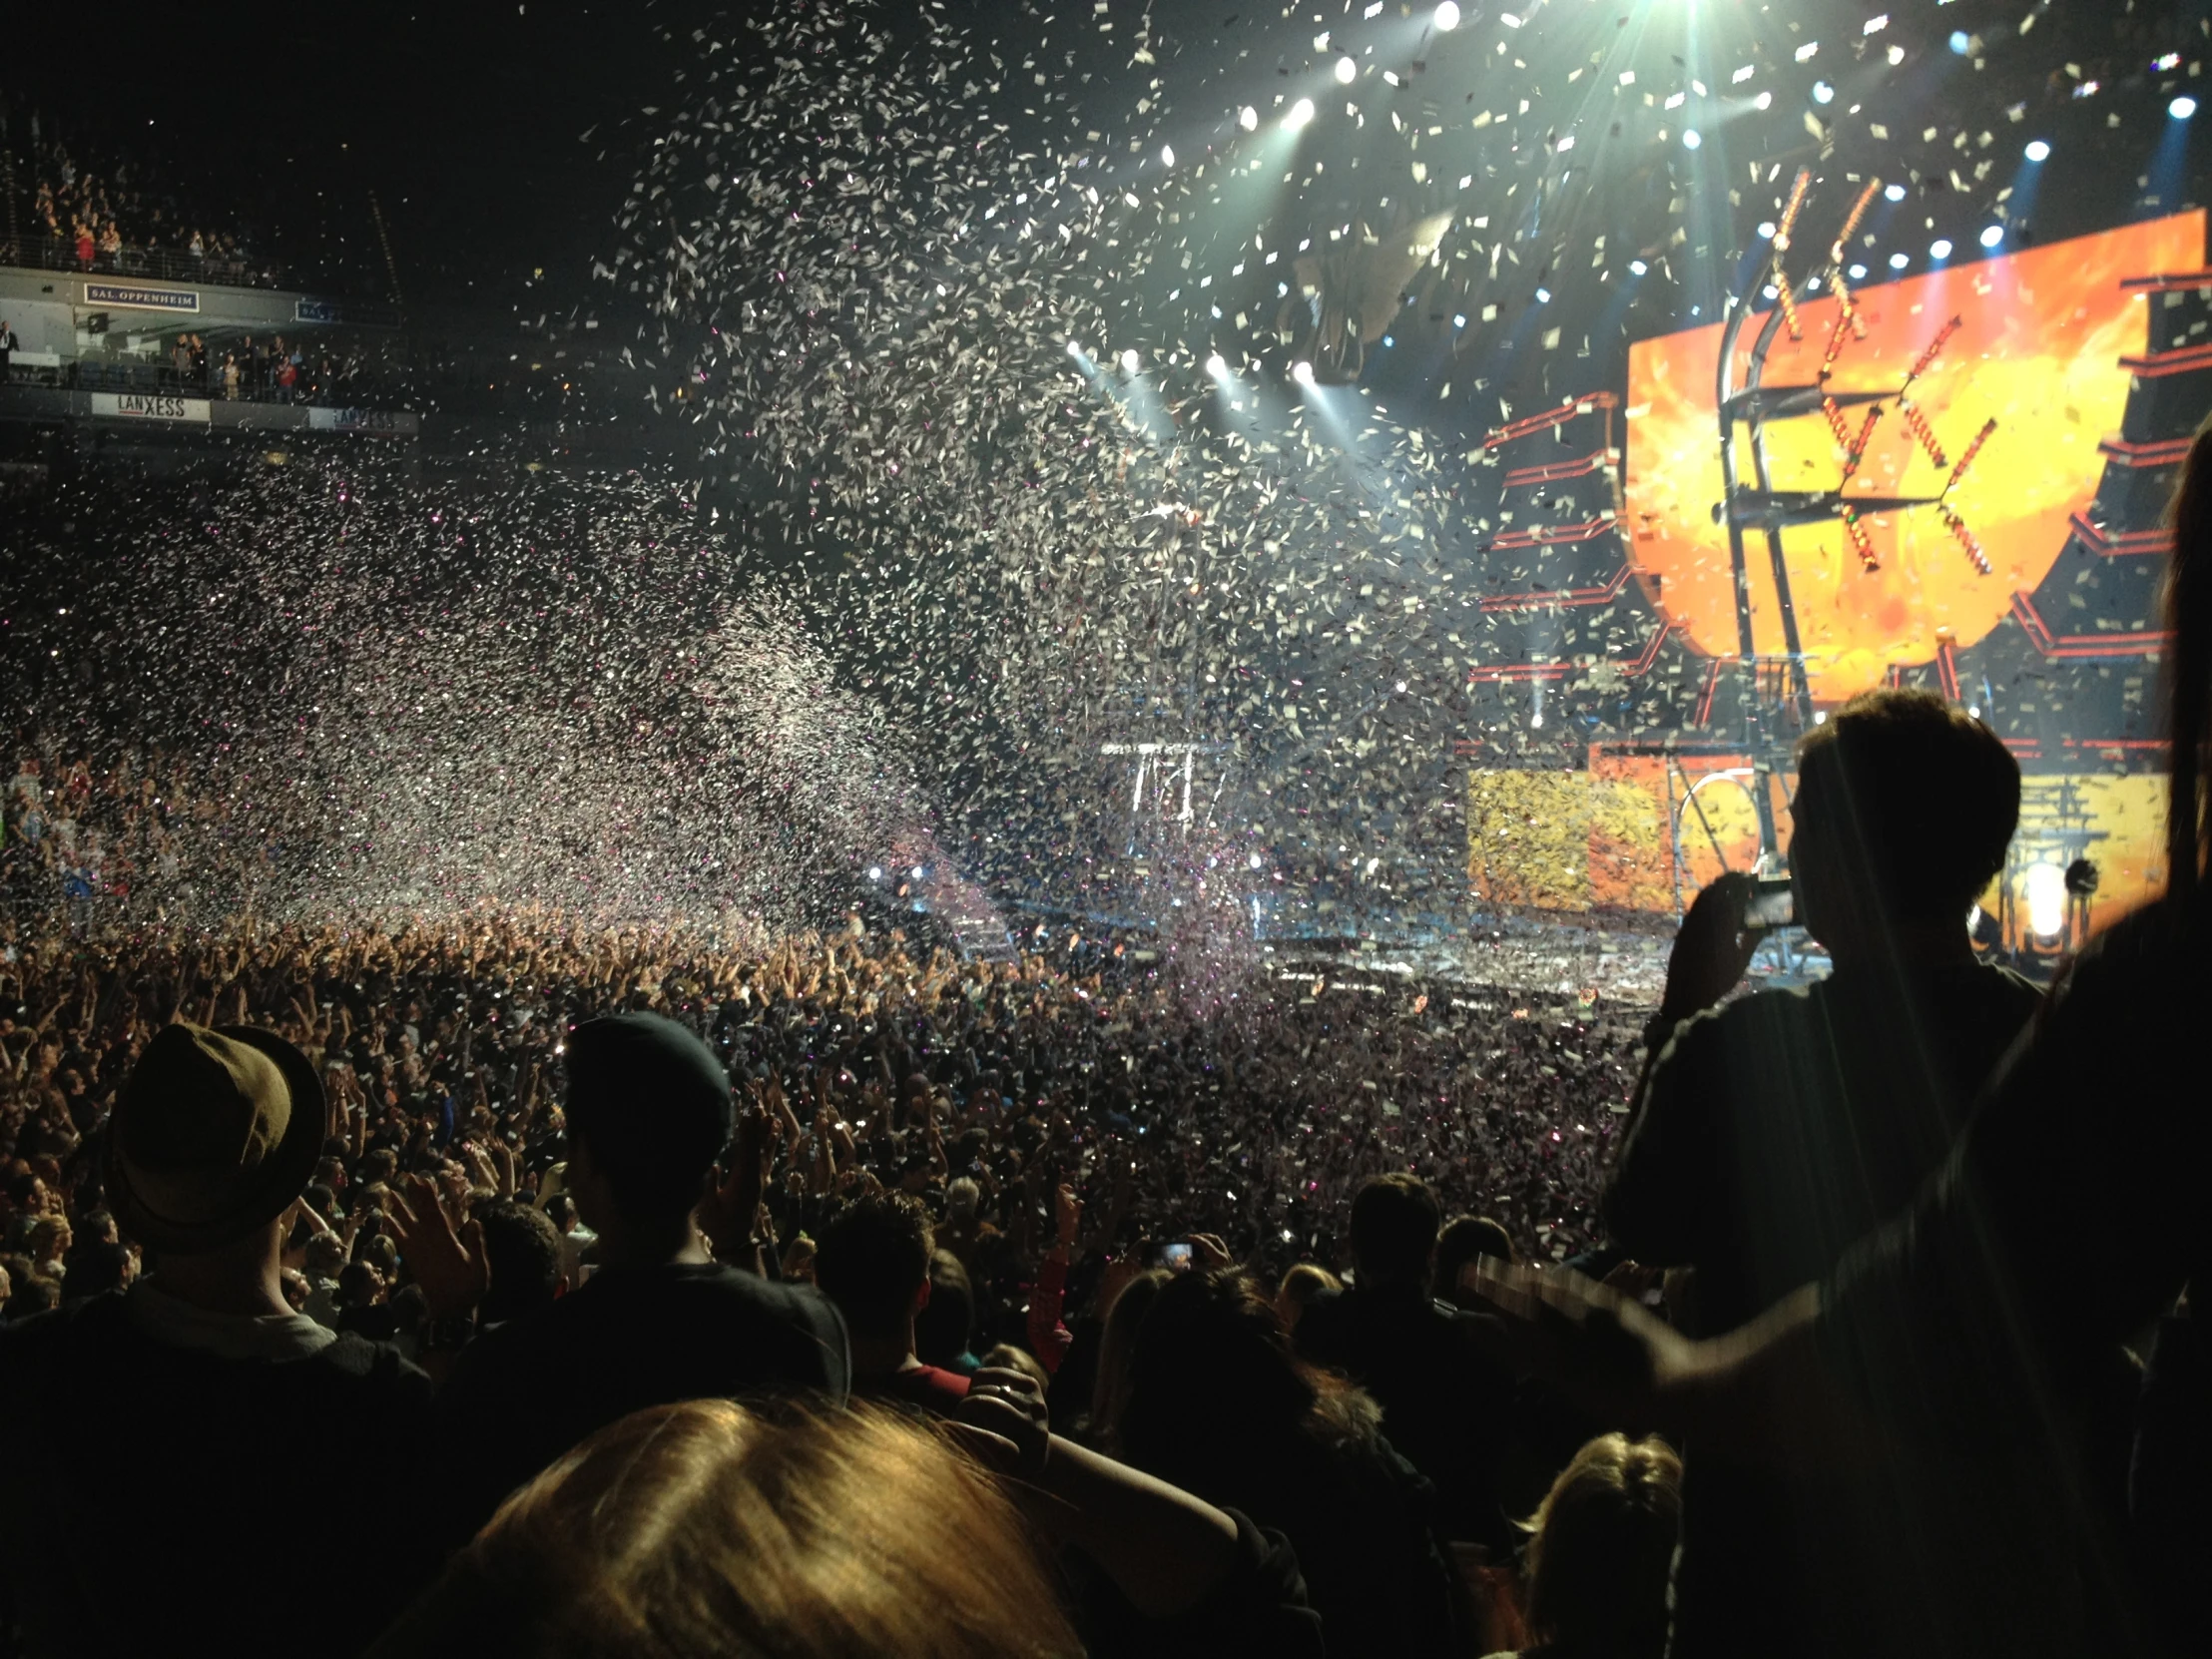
x=649 y=1113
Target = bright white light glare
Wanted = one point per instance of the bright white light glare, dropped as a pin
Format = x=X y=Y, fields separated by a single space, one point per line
x=2046 y=899
x=2182 y=108
x=1566 y=144
x=1991 y=235
x=2037 y=151
x=1536 y=722
x=1896 y=192
x=1301 y=113
x=1805 y=53
x=1248 y=118
x=1217 y=365
x=1766 y=230
x=919 y=873
x=1940 y=248
x=876 y=873
x=1823 y=92
x=1447 y=19
x=1875 y=25
x=1130 y=361
x=1765 y=101
x=1167 y=154
x=1543 y=296
x=1859 y=274
x=1459 y=320
x=1636 y=267
x=1075 y=350
x=1255 y=860
x=1690 y=139
x=1347 y=70
x=1898 y=262
x=1961 y=42
x=1303 y=373
x=1896 y=56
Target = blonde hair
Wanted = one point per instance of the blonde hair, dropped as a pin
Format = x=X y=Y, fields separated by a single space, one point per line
x=710 y=1529
x=1597 y=1569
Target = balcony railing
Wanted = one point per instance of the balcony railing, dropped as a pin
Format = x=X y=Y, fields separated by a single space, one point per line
x=168 y=265
x=342 y=387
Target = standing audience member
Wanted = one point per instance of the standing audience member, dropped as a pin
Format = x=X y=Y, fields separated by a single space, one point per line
x=874 y=1262
x=185 y=1404
x=649 y=1112
x=1594 y=1579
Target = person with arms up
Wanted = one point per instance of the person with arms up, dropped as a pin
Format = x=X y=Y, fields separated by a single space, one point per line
x=1768 y=1134
x=195 y=1407
x=649 y=1112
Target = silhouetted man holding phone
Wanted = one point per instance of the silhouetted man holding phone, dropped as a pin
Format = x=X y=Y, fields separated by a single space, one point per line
x=1768 y=1135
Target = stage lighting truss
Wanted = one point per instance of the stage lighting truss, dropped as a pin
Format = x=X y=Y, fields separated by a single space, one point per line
x=1755 y=504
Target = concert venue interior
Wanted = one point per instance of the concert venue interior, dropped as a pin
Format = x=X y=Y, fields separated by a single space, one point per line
x=1137 y=625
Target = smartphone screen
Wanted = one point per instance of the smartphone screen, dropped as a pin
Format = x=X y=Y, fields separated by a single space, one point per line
x=1175 y=1257
x=1772 y=905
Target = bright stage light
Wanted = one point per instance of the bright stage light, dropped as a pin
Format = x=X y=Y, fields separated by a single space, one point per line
x=1301 y=113
x=1459 y=320
x=1991 y=235
x=1960 y=42
x=1766 y=230
x=1765 y=101
x=2037 y=151
x=1167 y=154
x=1447 y=16
x=1859 y=274
x=2046 y=900
x=1347 y=70
x=1823 y=92
x=1075 y=350
x=1249 y=119
x=1940 y=248
x=1898 y=262
x=2182 y=108
x=1636 y=267
x=1217 y=365
x=1254 y=860
x=1303 y=373
x=1130 y=361
x=1690 y=139
x=1543 y=296
x=876 y=873
x=1896 y=192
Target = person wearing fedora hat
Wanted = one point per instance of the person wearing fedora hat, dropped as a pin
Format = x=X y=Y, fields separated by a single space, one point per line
x=195 y=1399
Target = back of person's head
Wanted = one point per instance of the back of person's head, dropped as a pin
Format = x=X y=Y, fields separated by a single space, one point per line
x=523 y=1251
x=1394 y=1219
x=1908 y=801
x=1117 y=1350
x=359 y=1284
x=1604 y=1538
x=1006 y=1356
x=1465 y=1239
x=873 y=1261
x=560 y=1210
x=712 y=1528
x=1302 y=1285
x=649 y=1104
x=962 y=1199
x=95 y=1266
x=1257 y=1394
x=943 y=1329
x=2188 y=667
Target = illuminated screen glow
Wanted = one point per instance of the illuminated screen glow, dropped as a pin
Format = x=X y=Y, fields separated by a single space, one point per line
x=2039 y=350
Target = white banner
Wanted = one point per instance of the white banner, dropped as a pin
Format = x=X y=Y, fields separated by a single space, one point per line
x=146 y=406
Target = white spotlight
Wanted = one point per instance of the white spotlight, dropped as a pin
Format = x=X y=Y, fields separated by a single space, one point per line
x=1898 y=262
x=1894 y=192
x=2046 y=899
x=1075 y=350
x=1301 y=113
x=1765 y=101
x=1248 y=118
x=1766 y=230
x=1130 y=361
x=1448 y=17
x=2181 y=109
x=1347 y=70
x=1636 y=267
x=1543 y=296
x=1940 y=248
x=1823 y=92
x=1303 y=373
x=2037 y=151
x=1690 y=139
x=1217 y=365
x=1167 y=154
x=1991 y=235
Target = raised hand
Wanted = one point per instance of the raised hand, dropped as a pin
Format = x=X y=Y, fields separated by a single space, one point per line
x=451 y=1266
x=1712 y=949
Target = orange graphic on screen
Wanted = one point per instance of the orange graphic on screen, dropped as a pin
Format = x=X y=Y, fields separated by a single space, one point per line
x=2039 y=351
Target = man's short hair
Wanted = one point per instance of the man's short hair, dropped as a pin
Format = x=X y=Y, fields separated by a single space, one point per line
x=523 y=1249
x=1394 y=1219
x=1921 y=797
x=872 y=1257
x=651 y=1104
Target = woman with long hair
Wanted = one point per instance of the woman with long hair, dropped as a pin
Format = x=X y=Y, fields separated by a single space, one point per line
x=1219 y=1404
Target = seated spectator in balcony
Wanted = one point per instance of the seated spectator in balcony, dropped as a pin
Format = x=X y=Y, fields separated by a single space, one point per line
x=179 y=1407
x=873 y=1261
x=649 y=1112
